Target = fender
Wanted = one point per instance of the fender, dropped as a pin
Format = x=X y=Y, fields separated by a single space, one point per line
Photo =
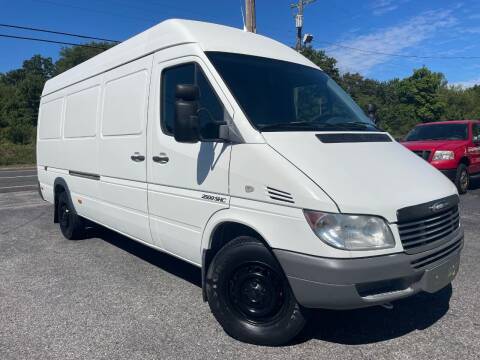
x=227 y=215
x=59 y=181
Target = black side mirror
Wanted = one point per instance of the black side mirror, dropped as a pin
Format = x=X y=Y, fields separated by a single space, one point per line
x=185 y=127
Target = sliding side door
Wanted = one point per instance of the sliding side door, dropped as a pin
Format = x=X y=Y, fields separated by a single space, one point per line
x=122 y=149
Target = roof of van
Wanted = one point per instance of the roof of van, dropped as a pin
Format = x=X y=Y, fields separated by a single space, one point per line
x=211 y=37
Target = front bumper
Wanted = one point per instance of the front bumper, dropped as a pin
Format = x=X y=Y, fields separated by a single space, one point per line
x=360 y=282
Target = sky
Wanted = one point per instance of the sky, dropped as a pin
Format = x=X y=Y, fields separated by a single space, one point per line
x=380 y=39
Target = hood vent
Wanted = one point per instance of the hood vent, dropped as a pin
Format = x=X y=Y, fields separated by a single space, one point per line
x=353 y=138
x=280 y=195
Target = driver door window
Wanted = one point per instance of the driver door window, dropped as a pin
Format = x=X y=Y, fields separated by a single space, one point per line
x=211 y=112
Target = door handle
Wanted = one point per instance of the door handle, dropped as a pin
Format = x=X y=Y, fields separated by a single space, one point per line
x=137 y=157
x=162 y=158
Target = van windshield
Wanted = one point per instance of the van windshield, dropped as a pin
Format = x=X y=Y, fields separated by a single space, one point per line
x=438 y=132
x=283 y=96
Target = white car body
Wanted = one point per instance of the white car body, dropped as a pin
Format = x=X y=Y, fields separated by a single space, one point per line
x=97 y=115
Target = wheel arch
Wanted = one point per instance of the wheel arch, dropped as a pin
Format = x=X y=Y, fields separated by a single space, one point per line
x=223 y=227
x=465 y=160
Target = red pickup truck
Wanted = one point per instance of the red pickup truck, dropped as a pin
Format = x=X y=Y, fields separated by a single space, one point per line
x=453 y=147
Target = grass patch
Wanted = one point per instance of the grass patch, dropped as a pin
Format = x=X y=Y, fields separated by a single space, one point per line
x=16 y=154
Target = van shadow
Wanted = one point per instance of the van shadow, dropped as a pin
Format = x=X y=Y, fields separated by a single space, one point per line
x=348 y=327
x=475 y=183
x=157 y=258
x=376 y=324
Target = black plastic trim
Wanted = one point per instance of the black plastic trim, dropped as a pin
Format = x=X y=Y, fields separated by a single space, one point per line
x=282 y=199
x=421 y=211
x=338 y=138
x=84 y=175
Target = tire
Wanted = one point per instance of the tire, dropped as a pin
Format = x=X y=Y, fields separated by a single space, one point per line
x=462 y=179
x=71 y=225
x=250 y=296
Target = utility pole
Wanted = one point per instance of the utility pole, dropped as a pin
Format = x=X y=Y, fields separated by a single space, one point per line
x=300 y=6
x=250 y=16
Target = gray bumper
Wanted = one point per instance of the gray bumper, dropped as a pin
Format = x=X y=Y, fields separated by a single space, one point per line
x=354 y=283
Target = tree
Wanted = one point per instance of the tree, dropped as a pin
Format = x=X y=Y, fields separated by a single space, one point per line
x=422 y=90
x=72 y=56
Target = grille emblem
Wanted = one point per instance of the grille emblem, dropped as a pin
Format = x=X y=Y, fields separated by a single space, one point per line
x=438 y=206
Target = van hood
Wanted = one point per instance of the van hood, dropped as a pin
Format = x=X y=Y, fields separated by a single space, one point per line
x=375 y=178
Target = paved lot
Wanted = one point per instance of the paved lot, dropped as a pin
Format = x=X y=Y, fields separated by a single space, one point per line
x=19 y=179
x=107 y=297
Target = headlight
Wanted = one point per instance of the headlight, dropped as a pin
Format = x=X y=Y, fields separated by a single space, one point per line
x=443 y=155
x=351 y=232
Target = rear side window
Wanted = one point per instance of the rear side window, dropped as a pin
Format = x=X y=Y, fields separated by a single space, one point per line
x=211 y=111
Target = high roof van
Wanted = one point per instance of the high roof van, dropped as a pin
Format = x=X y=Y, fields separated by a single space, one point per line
x=236 y=154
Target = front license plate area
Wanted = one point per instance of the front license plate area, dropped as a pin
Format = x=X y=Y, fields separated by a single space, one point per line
x=437 y=278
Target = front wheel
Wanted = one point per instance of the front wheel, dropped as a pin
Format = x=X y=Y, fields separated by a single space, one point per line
x=250 y=296
x=462 y=179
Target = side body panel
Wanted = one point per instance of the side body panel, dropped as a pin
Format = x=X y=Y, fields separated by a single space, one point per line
x=96 y=125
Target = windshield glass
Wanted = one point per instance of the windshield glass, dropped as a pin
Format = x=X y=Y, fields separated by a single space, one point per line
x=282 y=96
x=439 y=132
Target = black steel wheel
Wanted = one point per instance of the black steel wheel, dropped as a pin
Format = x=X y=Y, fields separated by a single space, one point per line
x=257 y=292
x=250 y=296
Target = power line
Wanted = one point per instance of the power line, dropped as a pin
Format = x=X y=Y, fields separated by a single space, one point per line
x=89 y=9
x=56 y=32
x=401 y=55
x=51 y=41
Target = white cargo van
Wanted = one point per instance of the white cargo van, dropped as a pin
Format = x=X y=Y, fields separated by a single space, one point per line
x=234 y=153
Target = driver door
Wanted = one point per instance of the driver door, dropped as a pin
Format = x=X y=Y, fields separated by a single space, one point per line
x=187 y=183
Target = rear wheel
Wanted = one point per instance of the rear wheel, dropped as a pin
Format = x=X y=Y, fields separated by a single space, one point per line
x=462 y=179
x=71 y=225
x=250 y=296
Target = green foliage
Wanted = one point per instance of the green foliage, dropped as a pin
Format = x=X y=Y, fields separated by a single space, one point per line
x=72 y=56
x=16 y=154
x=20 y=92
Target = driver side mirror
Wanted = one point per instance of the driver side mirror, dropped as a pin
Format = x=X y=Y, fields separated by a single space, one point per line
x=185 y=127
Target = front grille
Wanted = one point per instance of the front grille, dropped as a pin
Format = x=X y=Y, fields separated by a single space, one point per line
x=423 y=262
x=429 y=229
x=424 y=154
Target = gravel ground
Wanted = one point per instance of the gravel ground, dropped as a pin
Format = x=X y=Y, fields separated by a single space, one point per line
x=107 y=297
